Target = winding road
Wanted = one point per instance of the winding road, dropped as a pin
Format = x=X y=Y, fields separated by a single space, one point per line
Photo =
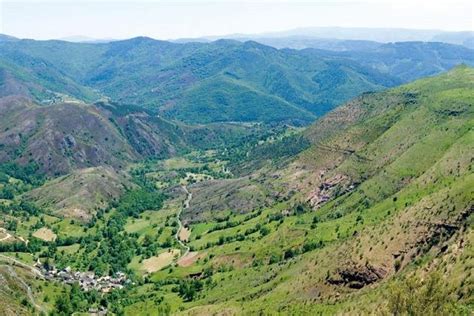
x=178 y=217
x=8 y=236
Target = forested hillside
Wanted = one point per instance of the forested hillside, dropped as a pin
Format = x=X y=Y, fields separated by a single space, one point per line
x=218 y=81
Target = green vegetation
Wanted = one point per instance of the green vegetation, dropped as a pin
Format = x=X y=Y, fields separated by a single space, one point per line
x=132 y=203
x=214 y=82
x=368 y=209
x=416 y=297
x=16 y=179
x=277 y=258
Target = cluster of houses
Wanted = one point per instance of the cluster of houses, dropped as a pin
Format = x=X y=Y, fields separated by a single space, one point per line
x=86 y=280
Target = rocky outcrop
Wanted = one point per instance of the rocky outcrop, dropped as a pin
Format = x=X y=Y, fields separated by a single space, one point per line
x=357 y=276
x=329 y=188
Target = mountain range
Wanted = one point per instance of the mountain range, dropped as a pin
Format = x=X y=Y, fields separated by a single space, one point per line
x=223 y=80
x=316 y=36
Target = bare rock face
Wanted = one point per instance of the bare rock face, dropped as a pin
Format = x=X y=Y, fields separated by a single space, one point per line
x=328 y=189
x=357 y=276
x=69 y=141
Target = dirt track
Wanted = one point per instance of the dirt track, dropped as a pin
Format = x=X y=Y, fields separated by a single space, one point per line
x=180 y=225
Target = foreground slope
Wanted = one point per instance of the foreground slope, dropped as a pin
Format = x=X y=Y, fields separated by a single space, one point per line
x=385 y=194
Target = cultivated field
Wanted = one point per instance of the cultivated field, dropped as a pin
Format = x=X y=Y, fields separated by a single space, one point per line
x=188 y=259
x=45 y=234
x=157 y=263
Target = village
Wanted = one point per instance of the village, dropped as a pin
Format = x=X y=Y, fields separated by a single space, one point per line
x=86 y=280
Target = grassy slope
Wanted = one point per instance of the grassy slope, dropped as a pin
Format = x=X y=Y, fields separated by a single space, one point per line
x=410 y=208
x=15 y=298
x=405 y=199
x=79 y=194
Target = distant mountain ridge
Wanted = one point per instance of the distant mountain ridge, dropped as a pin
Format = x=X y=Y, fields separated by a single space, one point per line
x=5 y=38
x=307 y=37
x=220 y=81
x=409 y=60
x=224 y=80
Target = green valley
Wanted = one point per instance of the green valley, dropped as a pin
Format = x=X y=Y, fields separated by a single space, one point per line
x=135 y=210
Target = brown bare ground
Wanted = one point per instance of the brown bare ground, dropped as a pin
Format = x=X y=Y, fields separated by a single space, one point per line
x=157 y=263
x=184 y=234
x=45 y=234
x=236 y=260
x=4 y=235
x=189 y=259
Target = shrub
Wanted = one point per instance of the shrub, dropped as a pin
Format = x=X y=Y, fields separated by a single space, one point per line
x=414 y=296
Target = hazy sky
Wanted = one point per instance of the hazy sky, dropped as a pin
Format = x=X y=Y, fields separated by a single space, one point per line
x=176 y=19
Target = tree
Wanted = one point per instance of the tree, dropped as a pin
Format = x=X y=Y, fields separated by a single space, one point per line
x=63 y=305
x=11 y=225
x=264 y=230
x=274 y=259
x=289 y=254
x=188 y=289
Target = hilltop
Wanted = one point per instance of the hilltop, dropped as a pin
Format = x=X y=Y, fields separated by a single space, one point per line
x=220 y=81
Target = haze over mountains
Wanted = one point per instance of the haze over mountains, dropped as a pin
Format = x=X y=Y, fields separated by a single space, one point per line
x=331 y=38
x=317 y=37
